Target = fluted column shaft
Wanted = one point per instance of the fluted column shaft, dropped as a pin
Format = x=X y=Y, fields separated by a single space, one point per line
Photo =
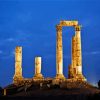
x=73 y=51
x=37 y=65
x=59 y=51
x=18 y=62
x=78 y=50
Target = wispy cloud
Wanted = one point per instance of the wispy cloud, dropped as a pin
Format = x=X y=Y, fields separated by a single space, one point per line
x=10 y=39
x=18 y=37
x=91 y=53
x=5 y=41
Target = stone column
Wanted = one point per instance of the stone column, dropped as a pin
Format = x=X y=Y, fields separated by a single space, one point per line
x=38 y=68
x=70 y=71
x=78 y=53
x=78 y=50
x=18 y=64
x=74 y=51
x=59 y=53
x=72 y=68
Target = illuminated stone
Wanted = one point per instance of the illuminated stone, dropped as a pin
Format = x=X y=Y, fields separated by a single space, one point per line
x=78 y=53
x=68 y=23
x=70 y=72
x=18 y=65
x=59 y=53
x=73 y=51
x=38 y=74
x=4 y=92
x=75 y=69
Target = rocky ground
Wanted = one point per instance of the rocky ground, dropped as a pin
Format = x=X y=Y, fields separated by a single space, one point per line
x=80 y=91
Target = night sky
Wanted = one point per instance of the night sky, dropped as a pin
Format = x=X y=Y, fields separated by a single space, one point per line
x=31 y=24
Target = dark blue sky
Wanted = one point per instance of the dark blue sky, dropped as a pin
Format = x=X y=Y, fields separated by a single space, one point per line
x=31 y=24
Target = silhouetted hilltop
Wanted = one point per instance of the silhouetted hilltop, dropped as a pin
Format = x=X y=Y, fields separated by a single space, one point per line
x=78 y=91
x=56 y=94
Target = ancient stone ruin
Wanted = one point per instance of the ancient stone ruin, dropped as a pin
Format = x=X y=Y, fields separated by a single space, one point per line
x=74 y=69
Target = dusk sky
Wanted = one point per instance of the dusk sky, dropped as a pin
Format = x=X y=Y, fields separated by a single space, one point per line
x=31 y=24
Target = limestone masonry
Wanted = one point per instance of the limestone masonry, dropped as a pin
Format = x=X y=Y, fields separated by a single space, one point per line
x=74 y=69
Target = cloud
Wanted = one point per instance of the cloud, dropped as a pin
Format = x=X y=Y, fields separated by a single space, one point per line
x=95 y=52
x=92 y=53
x=19 y=35
x=5 y=41
x=10 y=39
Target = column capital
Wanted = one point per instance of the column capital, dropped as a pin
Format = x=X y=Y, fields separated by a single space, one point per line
x=18 y=49
x=58 y=27
x=78 y=28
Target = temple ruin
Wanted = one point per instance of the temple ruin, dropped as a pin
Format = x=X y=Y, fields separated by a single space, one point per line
x=74 y=69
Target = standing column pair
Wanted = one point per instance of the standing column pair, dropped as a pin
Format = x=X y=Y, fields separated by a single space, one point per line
x=77 y=54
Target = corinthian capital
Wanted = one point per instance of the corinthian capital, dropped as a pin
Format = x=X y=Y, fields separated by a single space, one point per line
x=58 y=27
x=77 y=28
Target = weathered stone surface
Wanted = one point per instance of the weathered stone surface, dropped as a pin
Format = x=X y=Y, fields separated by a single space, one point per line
x=68 y=23
x=38 y=74
x=18 y=65
x=59 y=53
x=74 y=70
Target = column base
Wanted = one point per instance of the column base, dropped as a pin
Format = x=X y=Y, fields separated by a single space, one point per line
x=58 y=79
x=60 y=76
x=17 y=79
x=80 y=77
x=38 y=76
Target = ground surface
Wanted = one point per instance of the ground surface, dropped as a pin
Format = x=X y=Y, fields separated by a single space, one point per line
x=56 y=93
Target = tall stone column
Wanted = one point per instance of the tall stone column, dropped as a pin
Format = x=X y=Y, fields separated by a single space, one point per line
x=38 y=74
x=73 y=51
x=73 y=65
x=78 y=53
x=78 y=50
x=59 y=53
x=18 y=65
